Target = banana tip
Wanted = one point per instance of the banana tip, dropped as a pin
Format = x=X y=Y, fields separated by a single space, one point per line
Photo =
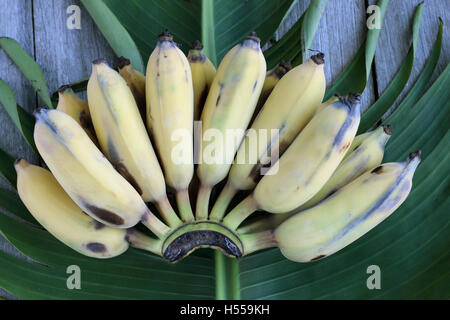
x=64 y=88
x=165 y=36
x=19 y=162
x=286 y=64
x=417 y=154
x=99 y=61
x=387 y=129
x=123 y=62
x=196 y=45
x=253 y=36
x=39 y=112
x=318 y=58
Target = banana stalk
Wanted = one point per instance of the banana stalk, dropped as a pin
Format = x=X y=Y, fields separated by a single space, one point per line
x=87 y=176
x=228 y=109
x=306 y=165
x=170 y=112
x=289 y=108
x=123 y=137
x=203 y=72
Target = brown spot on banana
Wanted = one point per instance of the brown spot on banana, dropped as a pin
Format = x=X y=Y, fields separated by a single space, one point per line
x=105 y=215
x=120 y=167
x=96 y=247
x=318 y=258
x=377 y=170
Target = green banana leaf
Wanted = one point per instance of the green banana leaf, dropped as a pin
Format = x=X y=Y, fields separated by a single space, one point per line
x=28 y=66
x=21 y=118
x=412 y=247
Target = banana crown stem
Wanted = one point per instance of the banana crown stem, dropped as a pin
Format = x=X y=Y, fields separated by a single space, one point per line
x=258 y=241
x=222 y=202
x=241 y=212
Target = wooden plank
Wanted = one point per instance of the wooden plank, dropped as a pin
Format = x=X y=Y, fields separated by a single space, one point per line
x=22 y=31
x=65 y=55
x=337 y=39
x=394 y=41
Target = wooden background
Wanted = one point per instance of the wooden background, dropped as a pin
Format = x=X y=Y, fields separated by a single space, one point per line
x=65 y=55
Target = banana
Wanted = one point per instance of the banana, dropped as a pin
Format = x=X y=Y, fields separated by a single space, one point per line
x=326 y=103
x=123 y=138
x=306 y=165
x=228 y=109
x=203 y=72
x=272 y=77
x=289 y=108
x=368 y=154
x=135 y=81
x=59 y=215
x=348 y=214
x=170 y=112
x=87 y=176
x=77 y=108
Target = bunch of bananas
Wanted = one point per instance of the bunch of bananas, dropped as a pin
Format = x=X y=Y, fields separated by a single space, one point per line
x=133 y=143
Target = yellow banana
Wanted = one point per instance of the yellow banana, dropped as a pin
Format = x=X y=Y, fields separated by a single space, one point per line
x=77 y=108
x=228 y=109
x=87 y=176
x=289 y=108
x=59 y=215
x=123 y=138
x=272 y=77
x=326 y=103
x=306 y=165
x=203 y=72
x=367 y=155
x=170 y=112
x=348 y=214
x=135 y=81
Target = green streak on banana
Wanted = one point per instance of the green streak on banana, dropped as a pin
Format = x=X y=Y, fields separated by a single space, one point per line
x=170 y=112
x=366 y=155
x=59 y=215
x=229 y=107
x=87 y=176
x=77 y=108
x=289 y=108
x=135 y=81
x=272 y=77
x=348 y=214
x=306 y=165
x=203 y=72
x=123 y=138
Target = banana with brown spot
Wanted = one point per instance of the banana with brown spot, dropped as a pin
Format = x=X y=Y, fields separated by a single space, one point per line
x=203 y=72
x=306 y=165
x=123 y=137
x=228 y=109
x=170 y=115
x=87 y=176
x=289 y=108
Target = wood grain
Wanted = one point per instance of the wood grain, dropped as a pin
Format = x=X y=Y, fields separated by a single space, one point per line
x=394 y=41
